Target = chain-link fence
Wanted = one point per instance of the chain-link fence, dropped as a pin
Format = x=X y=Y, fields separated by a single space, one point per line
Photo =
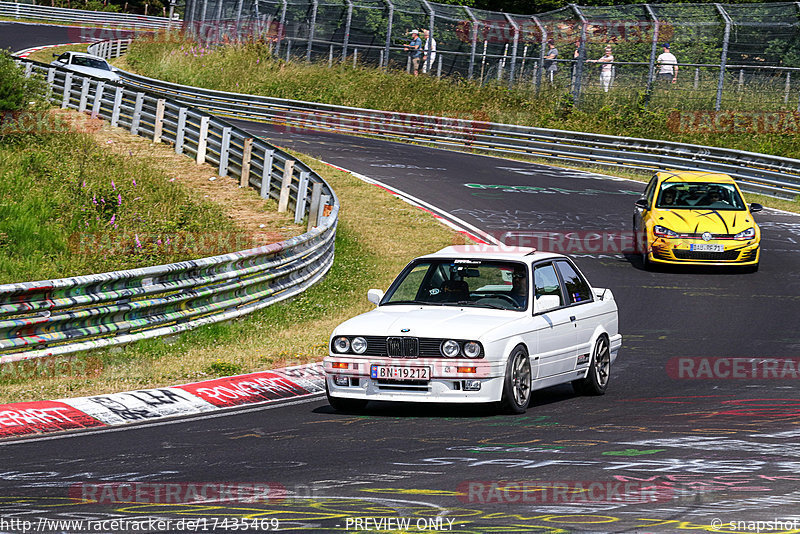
x=719 y=56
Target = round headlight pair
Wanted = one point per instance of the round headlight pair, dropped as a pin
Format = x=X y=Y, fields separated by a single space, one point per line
x=452 y=348
x=342 y=344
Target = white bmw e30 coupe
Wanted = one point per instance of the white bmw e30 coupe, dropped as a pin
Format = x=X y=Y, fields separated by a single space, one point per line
x=476 y=324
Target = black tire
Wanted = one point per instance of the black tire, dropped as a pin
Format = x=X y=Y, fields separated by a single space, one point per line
x=344 y=405
x=517 y=383
x=596 y=381
x=750 y=268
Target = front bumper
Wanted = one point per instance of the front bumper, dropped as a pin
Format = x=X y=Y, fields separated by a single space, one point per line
x=446 y=383
x=678 y=252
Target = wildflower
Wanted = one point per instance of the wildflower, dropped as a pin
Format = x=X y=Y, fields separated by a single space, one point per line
x=113 y=185
x=113 y=218
x=119 y=199
x=138 y=244
x=134 y=182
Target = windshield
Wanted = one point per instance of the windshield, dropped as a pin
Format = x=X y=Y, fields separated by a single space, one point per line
x=90 y=62
x=684 y=195
x=488 y=284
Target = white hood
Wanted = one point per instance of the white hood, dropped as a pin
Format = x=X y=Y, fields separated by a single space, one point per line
x=428 y=321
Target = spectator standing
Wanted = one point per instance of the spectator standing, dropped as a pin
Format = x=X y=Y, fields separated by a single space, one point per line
x=414 y=49
x=429 y=51
x=550 y=66
x=606 y=70
x=668 y=65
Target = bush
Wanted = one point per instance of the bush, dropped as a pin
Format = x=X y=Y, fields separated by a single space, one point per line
x=17 y=91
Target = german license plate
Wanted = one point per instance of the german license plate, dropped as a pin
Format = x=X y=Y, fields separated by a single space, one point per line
x=397 y=372
x=707 y=247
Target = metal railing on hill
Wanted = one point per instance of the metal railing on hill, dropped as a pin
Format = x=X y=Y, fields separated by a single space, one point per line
x=760 y=173
x=79 y=16
x=100 y=310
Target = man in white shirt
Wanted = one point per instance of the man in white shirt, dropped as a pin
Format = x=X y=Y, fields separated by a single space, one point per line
x=668 y=65
x=429 y=51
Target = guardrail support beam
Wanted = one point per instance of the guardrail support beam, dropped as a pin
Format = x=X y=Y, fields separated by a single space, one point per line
x=302 y=193
x=202 y=141
x=67 y=90
x=224 y=151
x=98 y=99
x=266 y=173
x=247 y=154
x=313 y=209
x=137 y=113
x=180 y=133
x=84 y=95
x=283 y=200
x=158 y=127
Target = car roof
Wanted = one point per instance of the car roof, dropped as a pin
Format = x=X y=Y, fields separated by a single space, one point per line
x=81 y=54
x=695 y=177
x=492 y=252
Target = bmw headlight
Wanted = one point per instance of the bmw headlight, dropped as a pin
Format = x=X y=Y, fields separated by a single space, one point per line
x=472 y=349
x=662 y=231
x=750 y=233
x=359 y=345
x=341 y=344
x=450 y=348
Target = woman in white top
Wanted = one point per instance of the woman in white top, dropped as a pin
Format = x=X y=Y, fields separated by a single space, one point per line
x=606 y=70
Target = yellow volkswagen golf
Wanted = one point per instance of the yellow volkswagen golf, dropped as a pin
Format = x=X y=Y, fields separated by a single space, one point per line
x=696 y=217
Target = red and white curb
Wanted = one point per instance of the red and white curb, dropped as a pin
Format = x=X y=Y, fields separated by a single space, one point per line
x=30 y=418
x=28 y=51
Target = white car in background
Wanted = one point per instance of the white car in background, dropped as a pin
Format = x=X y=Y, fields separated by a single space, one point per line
x=86 y=64
x=476 y=324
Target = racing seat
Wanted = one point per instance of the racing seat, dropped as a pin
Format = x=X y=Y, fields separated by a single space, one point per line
x=455 y=290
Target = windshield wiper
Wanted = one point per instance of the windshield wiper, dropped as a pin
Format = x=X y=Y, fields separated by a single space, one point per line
x=421 y=302
x=480 y=305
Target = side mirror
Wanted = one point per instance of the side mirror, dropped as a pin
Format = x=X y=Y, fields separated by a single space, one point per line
x=642 y=203
x=56 y=55
x=754 y=208
x=375 y=296
x=546 y=303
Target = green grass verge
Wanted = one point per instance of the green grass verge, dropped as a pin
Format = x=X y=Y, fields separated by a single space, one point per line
x=377 y=235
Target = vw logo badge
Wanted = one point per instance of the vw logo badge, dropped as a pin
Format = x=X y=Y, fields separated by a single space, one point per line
x=404 y=330
x=707 y=236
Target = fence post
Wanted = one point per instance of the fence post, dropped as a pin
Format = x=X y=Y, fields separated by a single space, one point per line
x=202 y=140
x=224 y=151
x=388 y=33
x=312 y=29
x=247 y=154
x=576 y=86
x=84 y=95
x=283 y=200
x=724 y=58
x=28 y=69
x=98 y=99
x=281 y=28
x=653 y=49
x=355 y=57
x=137 y=113
x=473 y=41
x=181 y=131
x=239 y=18
x=67 y=90
x=741 y=79
x=330 y=56
x=542 y=53
x=347 y=23
x=788 y=87
x=158 y=126
x=514 y=49
x=313 y=209
x=117 y=107
x=696 y=78
x=266 y=173
x=439 y=67
x=428 y=67
x=302 y=193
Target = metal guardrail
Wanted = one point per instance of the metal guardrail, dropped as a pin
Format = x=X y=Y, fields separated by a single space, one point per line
x=85 y=312
x=759 y=173
x=80 y=16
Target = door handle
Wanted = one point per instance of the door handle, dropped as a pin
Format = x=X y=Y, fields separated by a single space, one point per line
x=572 y=318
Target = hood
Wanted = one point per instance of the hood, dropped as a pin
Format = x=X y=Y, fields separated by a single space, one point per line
x=428 y=321
x=97 y=73
x=686 y=221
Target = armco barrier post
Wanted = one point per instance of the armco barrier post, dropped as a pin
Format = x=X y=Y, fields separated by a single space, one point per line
x=313 y=209
x=67 y=90
x=98 y=99
x=137 y=113
x=84 y=95
x=247 y=154
x=302 y=191
x=283 y=200
x=202 y=140
x=117 y=107
x=266 y=173
x=224 y=151
x=158 y=125
x=180 y=132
